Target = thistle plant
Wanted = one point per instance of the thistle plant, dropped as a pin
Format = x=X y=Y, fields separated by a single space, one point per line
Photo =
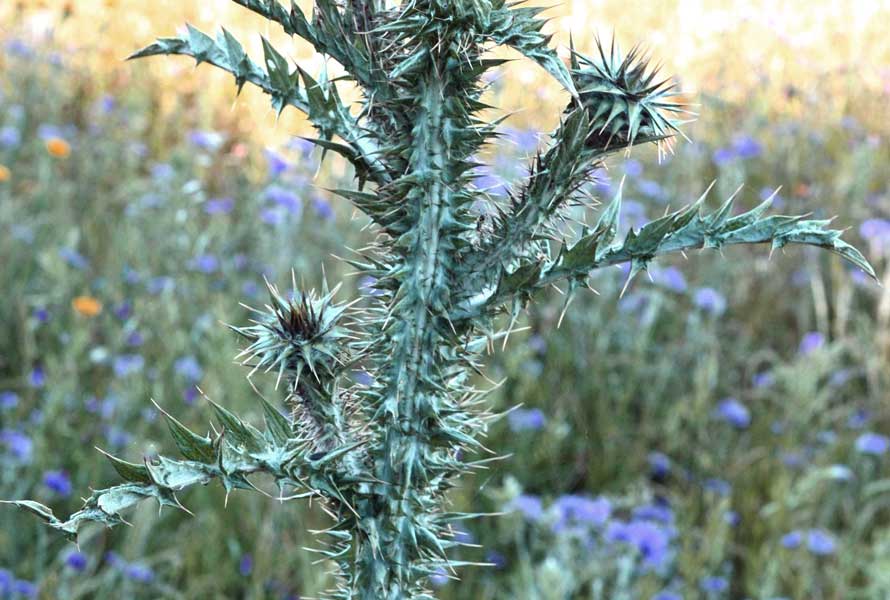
x=452 y=268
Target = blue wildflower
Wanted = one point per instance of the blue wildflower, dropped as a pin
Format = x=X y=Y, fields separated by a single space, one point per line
x=820 y=542
x=746 y=147
x=18 y=444
x=271 y=216
x=205 y=263
x=722 y=156
x=650 y=189
x=439 y=577
x=733 y=412
x=74 y=259
x=633 y=168
x=763 y=379
x=245 y=565
x=710 y=300
x=10 y=137
x=666 y=595
x=139 y=573
x=189 y=367
x=872 y=443
x=284 y=198
x=714 y=585
x=278 y=165
x=219 y=206
x=76 y=561
x=323 y=208
x=810 y=342
x=58 y=481
x=659 y=512
x=659 y=464
x=162 y=171
x=859 y=419
x=37 y=377
x=531 y=419
x=135 y=339
x=573 y=509
x=530 y=506
x=205 y=140
x=127 y=364
x=792 y=539
x=25 y=589
x=157 y=285
x=8 y=400
x=496 y=558
x=721 y=487
x=650 y=539
x=671 y=278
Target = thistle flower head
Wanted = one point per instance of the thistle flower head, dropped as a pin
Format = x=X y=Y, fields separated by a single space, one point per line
x=624 y=99
x=294 y=334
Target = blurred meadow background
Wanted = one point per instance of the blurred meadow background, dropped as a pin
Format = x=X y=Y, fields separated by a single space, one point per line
x=719 y=431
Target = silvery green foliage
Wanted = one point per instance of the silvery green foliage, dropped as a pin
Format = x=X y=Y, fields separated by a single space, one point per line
x=382 y=457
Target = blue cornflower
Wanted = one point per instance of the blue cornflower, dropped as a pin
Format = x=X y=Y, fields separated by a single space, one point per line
x=820 y=542
x=872 y=443
x=278 y=165
x=138 y=572
x=76 y=561
x=37 y=378
x=746 y=147
x=671 y=278
x=650 y=539
x=633 y=167
x=205 y=263
x=219 y=206
x=573 y=509
x=659 y=464
x=58 y=481
x=666 y=595
x=284 y=198
x=496 y=558
x=658 y=511
x=439 y=577
x=189 y=367
x=323 y=208
x=18 y=444
x=713 y=585
x=811 y=342
x=25 y=589
x=127 y=364
x=245 y=565
x=733 y=412
x=8 y=400
x=74 y=259
x=205 y=140
x=722 y=156
x=763 y=379
x=531 y=419
x=792 y=539
x=530 y=506
x=10 y=137
x=710 y=300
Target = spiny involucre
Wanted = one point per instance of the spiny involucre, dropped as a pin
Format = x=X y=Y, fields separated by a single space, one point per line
x=383 y=456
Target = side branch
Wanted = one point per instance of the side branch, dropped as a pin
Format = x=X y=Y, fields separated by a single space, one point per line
x=318 y=100
x=685 y=229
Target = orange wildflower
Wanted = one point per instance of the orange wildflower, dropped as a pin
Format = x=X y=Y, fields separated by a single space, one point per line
x=5 y=174
x=86 y=306
x=58 y=147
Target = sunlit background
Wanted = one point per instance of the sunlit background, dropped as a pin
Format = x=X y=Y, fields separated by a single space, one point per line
x=720 y=431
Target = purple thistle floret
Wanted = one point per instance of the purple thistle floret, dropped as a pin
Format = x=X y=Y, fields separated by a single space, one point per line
x=872 y=443
x=733 y=412
x=58 y=481
x=531 y=419
x=811 y=341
